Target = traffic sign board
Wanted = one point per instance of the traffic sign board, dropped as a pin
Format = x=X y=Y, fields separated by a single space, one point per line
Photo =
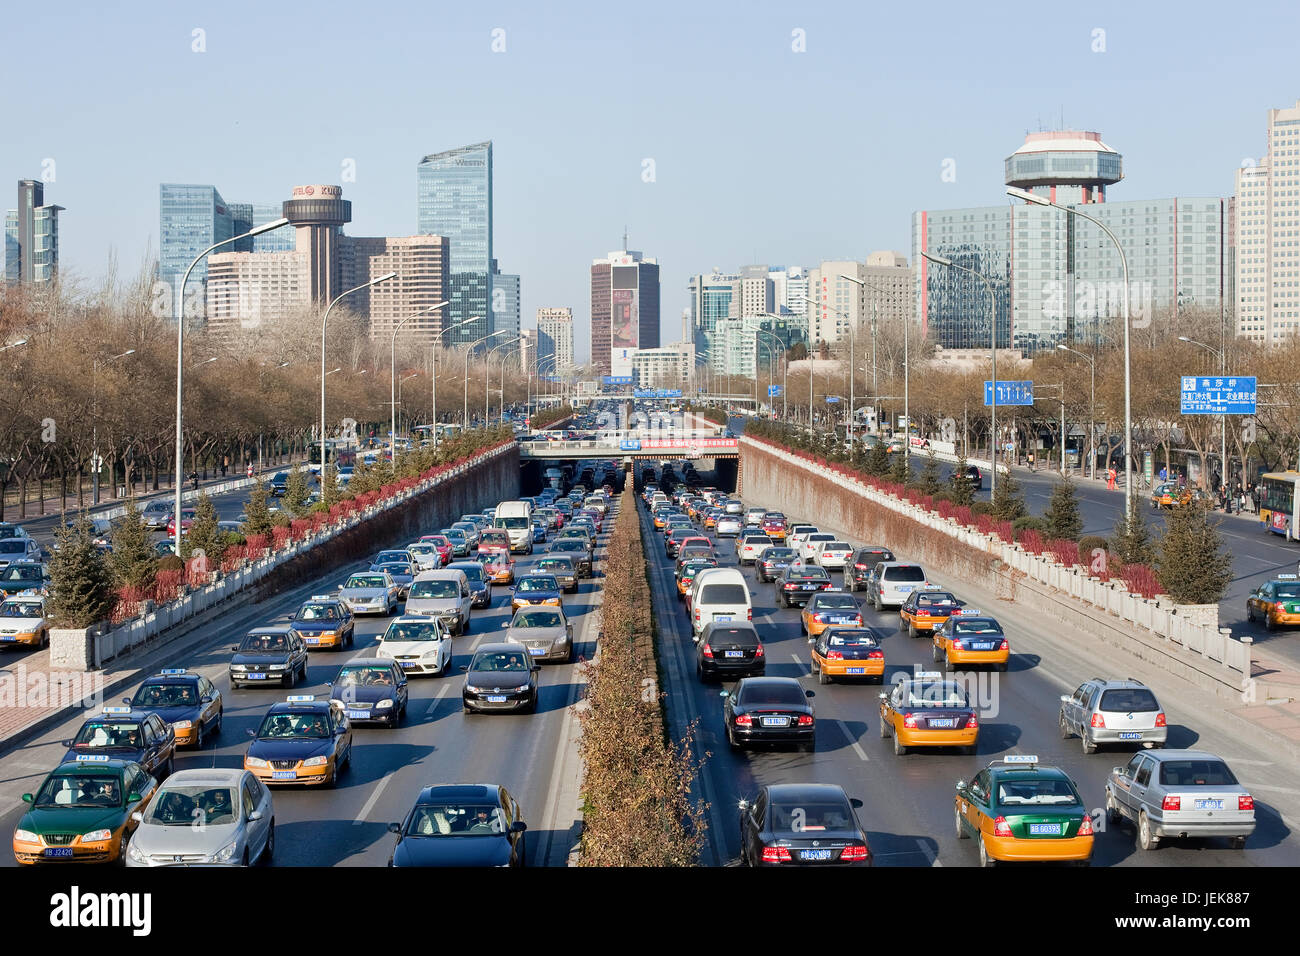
x=1010 y=393
x=1222 y=395
x=774 y=390
x=96 y=462
x=832 y=399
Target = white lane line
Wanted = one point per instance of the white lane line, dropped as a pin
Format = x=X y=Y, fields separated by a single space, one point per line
x=798 y=660
x=853 y=741
x=929 y=854
x=1260 y=786
x=437 y=698
x=1251 y=763
x=374 y=797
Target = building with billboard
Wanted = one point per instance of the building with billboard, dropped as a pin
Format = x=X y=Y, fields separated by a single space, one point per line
x=624 y=310
x=505 y=308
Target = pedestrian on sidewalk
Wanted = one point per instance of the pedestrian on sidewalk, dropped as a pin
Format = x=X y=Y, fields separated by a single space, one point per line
x=194 y=480
x=1110 y=478
x=225 y=463
x=250 y=469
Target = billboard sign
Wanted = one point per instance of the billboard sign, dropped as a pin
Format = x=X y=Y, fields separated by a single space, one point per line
x=1218 y=395
x=622 y=320
x=774 y=390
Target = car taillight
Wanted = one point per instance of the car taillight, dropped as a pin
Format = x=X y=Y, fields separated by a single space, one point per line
x=1001 y=827
x=834 y=656
x=1280 y=606
x=819 y=617
x=876 y=656
x=854 y=854
x=909 y=720
x=749 y=614
x=788 y=587
x=1171 y=803
x=776 y=854
x=1245 y=802
x=1085 y=828
x=1005 y=645
x=957 y=645
x=826 y=585
x=758 y=652
x=1097 y=721
x=859 y=567
x=706 y=650
x=921 y=612
x=744 y=720
x=1160 y=720
x=972 y=722
x=697 y=615
x=805 y=720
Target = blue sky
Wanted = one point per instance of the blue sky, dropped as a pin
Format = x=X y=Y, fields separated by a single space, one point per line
x=761 y=154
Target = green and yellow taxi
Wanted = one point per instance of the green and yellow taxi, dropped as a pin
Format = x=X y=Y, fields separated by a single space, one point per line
x=1276 y=603
x=303 y=740
x=1018 y=810
x=81 y=812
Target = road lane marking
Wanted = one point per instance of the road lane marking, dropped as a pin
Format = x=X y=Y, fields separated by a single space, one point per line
x=800 y=662
x=437 y=698
x=374 y=797
x=929 y=854
x=853 y=741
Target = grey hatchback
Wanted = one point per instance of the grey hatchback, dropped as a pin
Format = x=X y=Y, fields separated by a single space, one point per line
x=1102 y=711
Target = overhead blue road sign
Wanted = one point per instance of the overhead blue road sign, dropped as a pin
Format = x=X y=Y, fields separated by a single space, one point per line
x=831 y=399
x=1010 y=393
x=773 y=390
x=1218 y=395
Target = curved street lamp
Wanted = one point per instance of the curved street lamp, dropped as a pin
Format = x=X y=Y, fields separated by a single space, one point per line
x=468 y=352
x=392 y=426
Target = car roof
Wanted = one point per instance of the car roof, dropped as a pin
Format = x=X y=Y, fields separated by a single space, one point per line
x=786 y=792
x=459 y=792
x=713 y=627
x=200 y=775
x=500 y=646
x=448 y=573
x=770 y=682
x=298 y=706
x=268 y=629
x=1109 y=683
x=413 y=619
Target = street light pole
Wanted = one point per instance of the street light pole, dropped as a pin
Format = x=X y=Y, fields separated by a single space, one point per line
x=1092 y=412
x=1223 y=430
x=323 y=322
x=1130 y=498
x=94 y=455
x=392 y=426
x=469 y=350
x=785 y=368
x=487 y=374
x=433 y=383
x=180 y=354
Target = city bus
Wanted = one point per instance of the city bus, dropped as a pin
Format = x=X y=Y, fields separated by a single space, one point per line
x=1279 y=504
x=336 y=453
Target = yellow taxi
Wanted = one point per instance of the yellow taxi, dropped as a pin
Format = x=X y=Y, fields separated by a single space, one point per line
x=324 y=622
x=847 y=652
x=686 y=577
x=23 y=620
x=711 y=519
x=1168 y=494
x=500 y=568
x=535 y=590
x=1020 y=811
x=927 y=611
x=1276 y=603
x=661 y=519
x=301 y=741
x=925 y=710
x=971 y=639
x=829 y=609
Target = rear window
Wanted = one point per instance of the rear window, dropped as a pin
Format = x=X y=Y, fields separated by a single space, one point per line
x=810 y=815
x=1035 y=792
x=811 y=574
x=836 y=602
x=821 y=537
x=836 y=546
x=907 y=572
x=724 y=594
x=1196 y=773
x=742 y=636
x=1129 y=699
x=940 y=599
x=786 y=694
x=875 y=554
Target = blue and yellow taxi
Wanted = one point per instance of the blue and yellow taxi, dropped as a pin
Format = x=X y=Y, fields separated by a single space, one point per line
x=1018 y=810
x=971 y=639
x=189 y=703
x=23 y=619
x=302 y=740
x=126 y=733
x=324 y=622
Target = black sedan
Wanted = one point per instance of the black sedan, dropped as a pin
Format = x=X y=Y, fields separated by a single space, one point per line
x=797 y=585
x=371 y=689
x=461 y=825
x=500 y=677
x=269 y=654
x=861 y=563
x=769 y=710
x=729 y=651
x=802 y=824
x=772 y=561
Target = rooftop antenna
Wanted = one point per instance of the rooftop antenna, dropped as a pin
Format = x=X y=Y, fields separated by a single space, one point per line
x=625 y=238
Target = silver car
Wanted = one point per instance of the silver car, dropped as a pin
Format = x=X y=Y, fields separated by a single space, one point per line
x=215 y=815
x=890 y=582
x=1113 y=712
x=545 y=631
x=728 y=526
x=426 y=555
x=443 y=594
x=1180 y=793
x=370 y=592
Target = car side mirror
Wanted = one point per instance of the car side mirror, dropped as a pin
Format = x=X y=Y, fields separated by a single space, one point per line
x=65 y=743
x=255 y=815
x=464 y=667
x=205 y=700
x=1118 y=771
x=855 y=803
x=251 y=732
x=133 y=797
x=28 y=798
x=394 y=828
x=235 y=648
x=961 y=786
x=505 y=624
x=809 y=693
x=519 y=826
x=743 y=806
x=724 y=693
x=536 y=668
x=126 y=700
x=138 y=817
x=1066 y=698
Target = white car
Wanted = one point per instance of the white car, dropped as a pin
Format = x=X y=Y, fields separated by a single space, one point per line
x=808 y=545
x=798 y=534
x=425 y=555
x=23 y=621
x=832 y=554
x=891 y=582
x=212 y=815
x=419 y=645
x=755 y=516
x=749 y=546
x=728 y=526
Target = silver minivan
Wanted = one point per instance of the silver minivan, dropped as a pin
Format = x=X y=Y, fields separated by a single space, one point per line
x=719 y=595
x=444 y=594
x=1113 y=712
x=892 y=581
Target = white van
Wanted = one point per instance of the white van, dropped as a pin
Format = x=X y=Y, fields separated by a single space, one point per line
x=443 y=594
x=719 y=595
x=516 y=517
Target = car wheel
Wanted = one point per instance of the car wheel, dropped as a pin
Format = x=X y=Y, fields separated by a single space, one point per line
x=268 y=851
x=1088 y=746
x=822 y=676
x=731 y=739
x=1065 y=731
x=876 y=601
x=169 y=769
x=216 y=727
x=985 y=860
x=957 y=822
x=1113 y=816
x=1250 y=614
x=44 y=641
x=934 y=652
x=911 y=629
x=899 y=749
x=1147 y=840
x=245 y=863
x=699 y=674
x=466 y=708
x=884 y=728
x=1268 y=622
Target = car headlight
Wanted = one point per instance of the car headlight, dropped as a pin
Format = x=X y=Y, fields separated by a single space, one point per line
x=276 y=667
x=430 y=653
x=384 y=705
x=97 y=836
x=183 y=724
x=255 y=762
x=26 y=836
x=225 y=854
x=135 y=854
x=315 y=761
x=473 y=690
x=236 y=667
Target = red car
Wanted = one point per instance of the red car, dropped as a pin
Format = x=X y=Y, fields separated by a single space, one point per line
x=774 y=526
x=595 y=516
x=187 y=519
x=442 y=544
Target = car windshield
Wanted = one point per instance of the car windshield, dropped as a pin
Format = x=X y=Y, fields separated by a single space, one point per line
x=456 y=820
x=936 y=599
x=556 y=565
x=419 y=549
x=976 y=626
x=538 y=583
x=438 y=540
x=906 y=572
x=835 y=602
x=152 y=696
x=318 y=612
x=497 y=661
x=785 y=695
x=397 y=569
x=472 y=571
x=454 y=535
x=306 y=726
x=365 y=581
x=568 y=544
x=108 y=734
x=79 y=790
x=362 y=675
x=22 y=609
x=13 y=546
x=1288 y=592
x=513 y=523
x=386 y=556
x=414 y=631
x=9 y=531
x=851 y=639
x=935 y=694
x=804 y=815
x=192 y=806
x=537 y=619
x=265 y=642
x=1196 y=773
x=21 y=572
x=1036 y=792
x=1128 y=699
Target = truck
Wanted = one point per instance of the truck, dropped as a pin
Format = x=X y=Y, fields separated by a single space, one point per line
x=516 y=517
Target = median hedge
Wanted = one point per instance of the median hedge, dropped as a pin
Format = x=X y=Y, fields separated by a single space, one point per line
x=637 y=804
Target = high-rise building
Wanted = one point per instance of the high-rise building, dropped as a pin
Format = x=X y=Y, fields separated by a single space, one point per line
x=838 y=301
x=789 y=285
x=529 y=360
x=757 y=293
x=711 y=297
x=421 y=283
x=454 y=199
x=1057 y=278
x=1266 y=270
x=668 y=366
x=505 y=308
x=32 y=236
x=554 y=340
x=249 y=290
x=624 y=309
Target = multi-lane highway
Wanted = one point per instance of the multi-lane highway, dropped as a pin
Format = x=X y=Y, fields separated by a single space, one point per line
x=908 y=809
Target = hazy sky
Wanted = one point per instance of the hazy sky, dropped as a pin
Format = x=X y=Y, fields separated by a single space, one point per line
x=760 y=153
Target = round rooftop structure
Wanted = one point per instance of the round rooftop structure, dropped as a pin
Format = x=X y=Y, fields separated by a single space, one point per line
x=1065 y=157
x=317 y=205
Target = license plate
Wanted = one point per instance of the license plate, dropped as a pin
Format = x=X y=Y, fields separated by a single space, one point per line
x=845 y=620
x=1208 y=804
x=942 y=722
x=1044 y=829
x=735 y=653
x=496 y=699
x=722 y=618
x=7 y=637
x=358 y=715
x=537 y=651
x=284 y=775
x=311 y=640
x=407 y=663
x=904 y=589
x=255 y=676
x=57 y=851
x=857 y=670
x=815 y=855
x=985 y=646
x=776 y=721
x=1131 y=735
